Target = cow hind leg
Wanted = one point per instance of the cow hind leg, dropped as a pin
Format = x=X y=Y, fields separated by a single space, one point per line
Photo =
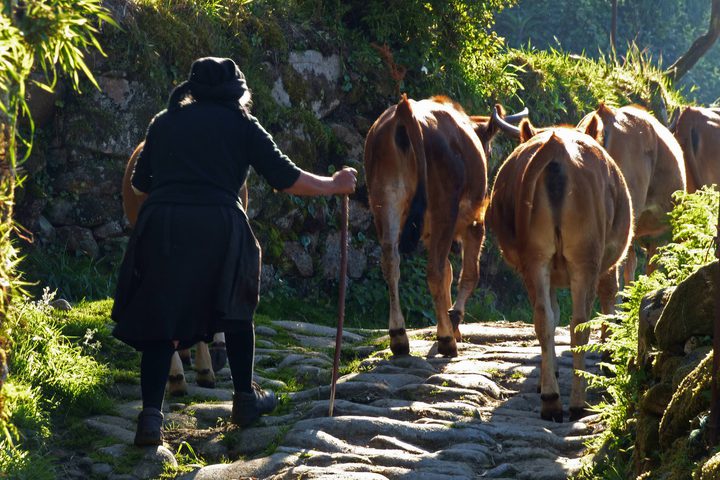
x=469 y=275
x=630 y=266
x=399 y=344
x=556 y=321
x=218 y=352
x=537 y=280
x=650 y=250
x=185 y=357
x=583 y=283
x=607 y=293
x=439 y=279
x=177 y=386
x=203 y=366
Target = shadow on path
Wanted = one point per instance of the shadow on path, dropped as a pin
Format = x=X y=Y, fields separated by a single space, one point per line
x=428 y=417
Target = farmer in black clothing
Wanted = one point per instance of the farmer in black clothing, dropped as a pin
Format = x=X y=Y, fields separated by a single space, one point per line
x=192 y=266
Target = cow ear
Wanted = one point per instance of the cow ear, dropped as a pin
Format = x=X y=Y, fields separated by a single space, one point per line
x=527 y=131
x=594 y=128
x=484 y=127
x=603 y=111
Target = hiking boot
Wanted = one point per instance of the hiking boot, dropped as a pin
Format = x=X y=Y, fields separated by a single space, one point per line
x=149 y=427
x=247 y=407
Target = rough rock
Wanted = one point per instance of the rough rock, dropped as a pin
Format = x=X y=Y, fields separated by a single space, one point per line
x=687 y=402
x=690 y=311
x=655 y=400
x=42 y=103
x=322 y=75
x=79 y=240
x=651 y=306
x=300 y=258
x=330 y=261
x=153 y=462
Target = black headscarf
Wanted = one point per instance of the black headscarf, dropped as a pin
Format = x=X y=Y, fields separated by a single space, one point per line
x=213 y=79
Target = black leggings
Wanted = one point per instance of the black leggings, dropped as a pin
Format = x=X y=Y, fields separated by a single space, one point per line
x=155 y=366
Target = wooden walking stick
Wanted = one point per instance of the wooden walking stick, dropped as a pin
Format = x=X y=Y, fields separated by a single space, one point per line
x=341 y=297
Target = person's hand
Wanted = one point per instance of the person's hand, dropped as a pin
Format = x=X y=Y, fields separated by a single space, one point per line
x=344 y=181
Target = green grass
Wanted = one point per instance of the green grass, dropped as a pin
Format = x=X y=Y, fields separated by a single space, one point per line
x=62 y=367
x=58 y=376
x=187 y=461
x=73 y=278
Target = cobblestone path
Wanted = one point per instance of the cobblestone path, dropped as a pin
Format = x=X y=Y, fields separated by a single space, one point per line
x=416 y=417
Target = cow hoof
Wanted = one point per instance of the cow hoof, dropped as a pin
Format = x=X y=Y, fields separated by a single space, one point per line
x=552 y=416
x=551 y=408
x=447 y=347
x=456 y=317
x=205 y=378
x=185 y=357
x=218 y=355
x=177 y=386
x=576 y=413
x=399 y=344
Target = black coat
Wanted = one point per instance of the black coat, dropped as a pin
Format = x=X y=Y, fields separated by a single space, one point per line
x=192 y=266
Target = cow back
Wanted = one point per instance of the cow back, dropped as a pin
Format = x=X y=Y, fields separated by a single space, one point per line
x=425 y=148
x=698 y=133
x=650 y=159
x=559 y=189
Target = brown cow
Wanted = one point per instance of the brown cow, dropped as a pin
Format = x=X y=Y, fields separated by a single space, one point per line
x=697 y=130
x=206 y=362
x=426 y=172
x=562 y=215
x=651 y=161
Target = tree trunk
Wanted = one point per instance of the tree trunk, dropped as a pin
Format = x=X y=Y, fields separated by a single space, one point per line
x=699 y=47
x=613 y=25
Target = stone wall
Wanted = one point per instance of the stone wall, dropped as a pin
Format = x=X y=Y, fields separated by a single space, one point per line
x=72 y=196
x=675 y=354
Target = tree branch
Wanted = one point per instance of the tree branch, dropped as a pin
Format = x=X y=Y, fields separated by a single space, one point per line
x=613 y=25
x=699 y=47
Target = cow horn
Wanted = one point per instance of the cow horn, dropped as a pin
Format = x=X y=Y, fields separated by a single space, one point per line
x=516 y=117
x=674 y=119
x=506 y=127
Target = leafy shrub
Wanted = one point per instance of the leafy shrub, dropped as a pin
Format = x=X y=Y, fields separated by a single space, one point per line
x=582 y=27
x=694 y=224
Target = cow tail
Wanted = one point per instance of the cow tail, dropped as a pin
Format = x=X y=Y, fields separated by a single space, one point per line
x=130 y=201
x=691 y=140
x=555 y=184
x=409 y=135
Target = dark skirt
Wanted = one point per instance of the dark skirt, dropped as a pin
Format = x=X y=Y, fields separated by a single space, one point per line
x=189 y=272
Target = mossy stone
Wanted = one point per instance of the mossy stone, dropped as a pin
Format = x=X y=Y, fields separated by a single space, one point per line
x=651 y=307
x=710 y=470
x=666 y=365
x=688 y=364
x=690 y=310
x=647 y=442
x=655 y=400
x=689 y=400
